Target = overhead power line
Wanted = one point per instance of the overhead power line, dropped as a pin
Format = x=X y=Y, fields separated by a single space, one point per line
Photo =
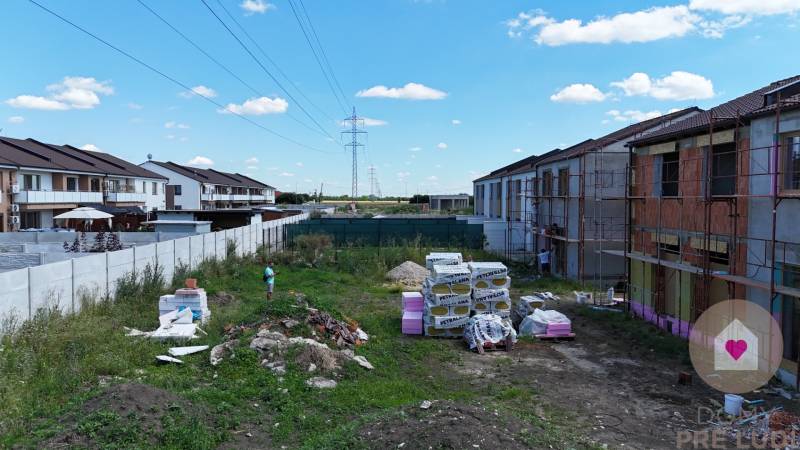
x=168 y=77
x=316 y=57
x=224 y=67
x=322 y=50
x=271 y=61
x=258 y=61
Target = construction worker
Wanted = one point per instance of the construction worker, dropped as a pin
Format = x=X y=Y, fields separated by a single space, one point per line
x=544 y=261
x=269 y=278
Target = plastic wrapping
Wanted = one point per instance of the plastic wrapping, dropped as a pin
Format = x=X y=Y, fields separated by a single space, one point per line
x=483 y=328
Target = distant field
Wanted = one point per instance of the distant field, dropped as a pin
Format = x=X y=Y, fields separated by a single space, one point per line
x=365 y=202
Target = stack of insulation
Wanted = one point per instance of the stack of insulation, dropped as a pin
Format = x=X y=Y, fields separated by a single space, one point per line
x=442 y=259
x=490 y=283
x=413 y=304
x=186 y=298
x=448 y=300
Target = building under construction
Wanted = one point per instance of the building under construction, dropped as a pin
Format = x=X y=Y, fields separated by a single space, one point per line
x=681 y=212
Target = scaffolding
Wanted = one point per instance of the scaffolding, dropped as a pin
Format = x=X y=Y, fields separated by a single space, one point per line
x=692 y=216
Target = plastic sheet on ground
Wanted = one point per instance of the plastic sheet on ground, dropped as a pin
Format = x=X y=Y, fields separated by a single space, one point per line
x=483 y=328
x=537 y=322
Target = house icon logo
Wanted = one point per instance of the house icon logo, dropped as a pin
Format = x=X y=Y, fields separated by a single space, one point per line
x=736 y=348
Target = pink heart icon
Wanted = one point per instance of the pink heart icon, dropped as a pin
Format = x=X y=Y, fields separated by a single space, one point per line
x=736 y=348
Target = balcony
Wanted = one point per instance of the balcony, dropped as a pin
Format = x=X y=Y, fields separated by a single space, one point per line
x=209 y=197
x=57 y=197
x=240 y=197
x=126 y=197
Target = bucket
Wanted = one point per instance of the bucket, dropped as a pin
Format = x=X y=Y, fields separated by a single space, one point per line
x=733 y=404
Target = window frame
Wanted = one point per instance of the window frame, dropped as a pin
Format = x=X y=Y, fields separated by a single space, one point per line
x=677 y=177
x=563 y=184
x=716 y=190
x=547 y=183
x=783 y=162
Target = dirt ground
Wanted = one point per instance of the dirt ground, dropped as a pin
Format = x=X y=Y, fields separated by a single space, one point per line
x=615 y=394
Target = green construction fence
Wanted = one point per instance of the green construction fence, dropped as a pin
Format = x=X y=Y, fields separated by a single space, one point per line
x=445 y=232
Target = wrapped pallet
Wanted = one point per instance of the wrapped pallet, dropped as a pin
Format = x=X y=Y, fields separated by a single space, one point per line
x=491 y=328
x=448 y=300
x=489 y=275
x=442 y=259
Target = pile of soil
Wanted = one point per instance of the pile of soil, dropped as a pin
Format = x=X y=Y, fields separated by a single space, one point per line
x=409 y=273
x=446 y=425
x=148 y=404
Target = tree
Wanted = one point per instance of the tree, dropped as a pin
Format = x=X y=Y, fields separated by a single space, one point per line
x=99 y=245
x=419 y=199
x=292 y=198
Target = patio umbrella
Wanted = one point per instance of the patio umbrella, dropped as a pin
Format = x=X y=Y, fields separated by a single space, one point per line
x=85 y=213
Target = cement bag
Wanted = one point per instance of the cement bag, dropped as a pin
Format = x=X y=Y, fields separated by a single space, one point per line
x=483 y=328
x=540 y=319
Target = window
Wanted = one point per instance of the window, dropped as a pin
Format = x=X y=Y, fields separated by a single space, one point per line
x=155 y=188
x=563 y=182
x=723 y=169
x=177 y=189
x=547 y=183
x=144 y=187
x=791 y=312
x=670 y=165
x=518 y=200
x=30 y=220
x=791 y=162
x=94 y=184
x=32 y=182
x=177 y=207
x=72 y=184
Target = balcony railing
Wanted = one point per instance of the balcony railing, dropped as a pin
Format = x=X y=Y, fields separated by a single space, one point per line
x=42 y=197
x=126 y=197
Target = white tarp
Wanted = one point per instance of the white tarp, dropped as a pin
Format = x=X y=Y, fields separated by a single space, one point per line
x=483 y=328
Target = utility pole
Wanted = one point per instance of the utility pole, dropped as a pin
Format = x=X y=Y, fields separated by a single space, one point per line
x=371 y=172
x=355 y=123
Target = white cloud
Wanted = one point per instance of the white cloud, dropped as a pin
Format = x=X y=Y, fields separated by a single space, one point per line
x=91 y=148
x=716 y=28
x=634 y=116
x=754 y=7
x=134 y=106
x=578 y=93
x=403 y=175
x=455 y=122
x=411 y=91
x=257 y=106
x=298 y=164
x=678 y=85
x=415 y=149
x=286 y=174
x=71 y=93
x=255 y=7
x=251 y=161
x=374 y=122
x=640 y=26
x=433 y=178
x=172 y=124
x=203 y=91
x=200 y=161
x=441 y=146
x=16 y=119
x=35 y=102
x=252 y=167
x=517 y=150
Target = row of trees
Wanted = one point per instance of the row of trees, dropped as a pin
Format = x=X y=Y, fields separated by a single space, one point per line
x=103 y=242
x=293 y=198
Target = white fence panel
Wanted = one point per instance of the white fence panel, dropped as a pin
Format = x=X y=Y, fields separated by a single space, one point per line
x=196 y=250
x=144 y=255
x=14 y=294
x=182 y=248
x=120 y=263
x=220 y=243
x=88 y=278
x=209 y=247
x=165 y=255
x=51 y=285
x=238 y=237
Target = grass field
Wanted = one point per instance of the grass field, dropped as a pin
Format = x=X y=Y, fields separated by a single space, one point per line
x=50 y=366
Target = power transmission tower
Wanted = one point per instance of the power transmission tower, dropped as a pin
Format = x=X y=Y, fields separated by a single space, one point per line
x=355 y=123
x=371 y=172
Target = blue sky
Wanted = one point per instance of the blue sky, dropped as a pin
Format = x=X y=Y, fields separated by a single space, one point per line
x=462 y=86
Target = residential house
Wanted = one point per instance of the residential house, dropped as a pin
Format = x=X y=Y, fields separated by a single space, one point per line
x=693 y=207
x=42 y=180
x=196 y=188
x=580 y=203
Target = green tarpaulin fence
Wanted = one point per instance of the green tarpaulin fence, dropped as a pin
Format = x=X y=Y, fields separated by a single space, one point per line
x=376 y=232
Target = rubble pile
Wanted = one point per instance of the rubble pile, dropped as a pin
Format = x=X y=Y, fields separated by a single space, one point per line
x=343 y=334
